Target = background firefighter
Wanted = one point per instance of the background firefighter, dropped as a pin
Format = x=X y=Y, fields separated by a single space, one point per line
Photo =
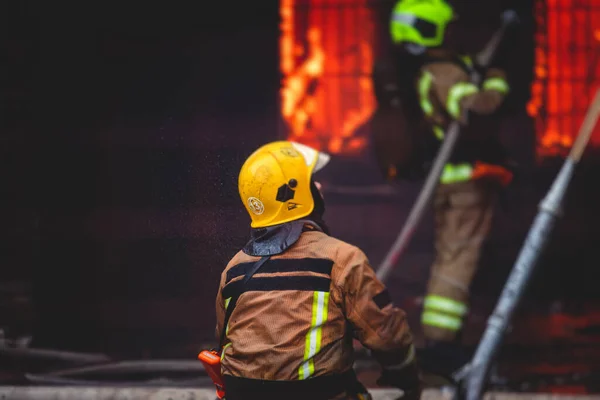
x=423 y=89
x=291 y=334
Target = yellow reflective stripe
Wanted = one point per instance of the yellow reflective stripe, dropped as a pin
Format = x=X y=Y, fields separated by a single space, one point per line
x=456 y=173
x=223 y=351
x=456 y=94
x=438 y=132
x=467 y=60
x=443 y=321
x=424 y=87
x=227 y=305
x=497 y=84
x=445 y=304
x=313 y=337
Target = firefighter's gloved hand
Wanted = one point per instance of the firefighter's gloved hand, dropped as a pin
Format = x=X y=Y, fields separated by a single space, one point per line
x=407 y=379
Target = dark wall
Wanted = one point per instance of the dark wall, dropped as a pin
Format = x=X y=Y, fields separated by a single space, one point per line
x=126 y=129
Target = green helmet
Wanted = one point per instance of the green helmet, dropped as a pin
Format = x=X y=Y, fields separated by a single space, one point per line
x=422 y=22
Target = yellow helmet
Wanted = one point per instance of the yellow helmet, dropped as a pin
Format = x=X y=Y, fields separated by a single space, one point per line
x=274 y=182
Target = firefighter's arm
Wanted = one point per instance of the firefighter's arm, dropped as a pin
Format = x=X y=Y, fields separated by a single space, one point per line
x=378 y=324
x=492 y=92
x=458 y=94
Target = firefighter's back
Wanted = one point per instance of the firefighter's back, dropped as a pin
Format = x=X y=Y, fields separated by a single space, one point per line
x=288 y=325
x=290 y=303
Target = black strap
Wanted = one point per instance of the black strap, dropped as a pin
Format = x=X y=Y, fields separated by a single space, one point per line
x=236 y=296
x=315 y=388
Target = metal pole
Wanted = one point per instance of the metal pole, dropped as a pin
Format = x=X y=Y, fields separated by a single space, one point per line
x=534 y=245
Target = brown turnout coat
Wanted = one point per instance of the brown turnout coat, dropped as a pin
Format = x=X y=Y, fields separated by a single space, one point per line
x=301 y=310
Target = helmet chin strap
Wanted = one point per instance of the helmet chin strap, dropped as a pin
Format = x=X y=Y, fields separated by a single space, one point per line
x=319 y=208
x=415 y=49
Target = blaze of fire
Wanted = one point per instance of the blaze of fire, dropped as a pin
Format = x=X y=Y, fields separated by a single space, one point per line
x=326 y=92
x=568 y=37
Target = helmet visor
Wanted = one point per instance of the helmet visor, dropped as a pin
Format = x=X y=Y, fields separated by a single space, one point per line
x=427 y=29
x=314 y=158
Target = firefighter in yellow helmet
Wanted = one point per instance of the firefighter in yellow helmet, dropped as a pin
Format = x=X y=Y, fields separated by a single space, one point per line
x=430 y=85
x=293 y=299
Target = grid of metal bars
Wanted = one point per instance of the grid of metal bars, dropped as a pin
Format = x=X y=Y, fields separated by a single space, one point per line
x=326 y=60
x=566 y=71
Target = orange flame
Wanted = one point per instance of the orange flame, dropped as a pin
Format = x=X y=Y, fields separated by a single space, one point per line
x=326 y=89
x=565 y=45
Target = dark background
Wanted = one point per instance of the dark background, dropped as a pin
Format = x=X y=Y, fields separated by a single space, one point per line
x=127 y=127
x=124 y=130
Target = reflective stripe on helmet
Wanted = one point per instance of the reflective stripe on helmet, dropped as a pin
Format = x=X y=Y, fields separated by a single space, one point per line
x=457 y=92
x=404 y=18
x=313 y=337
